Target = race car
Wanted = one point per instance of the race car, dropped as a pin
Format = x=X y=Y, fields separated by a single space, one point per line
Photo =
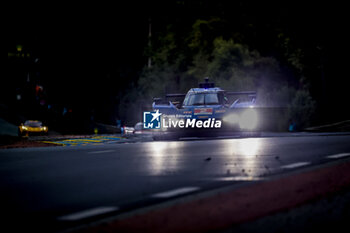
x=208 y=108
x=32 y=127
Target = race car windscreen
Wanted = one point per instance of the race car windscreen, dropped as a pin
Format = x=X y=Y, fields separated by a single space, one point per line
x=33 y=123
x=204 y=99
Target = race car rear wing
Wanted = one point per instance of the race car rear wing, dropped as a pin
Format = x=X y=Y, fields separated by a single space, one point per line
x=174 y=95
x=168 y=96
x=166 y=103
x=247 y=98
x=248 y=93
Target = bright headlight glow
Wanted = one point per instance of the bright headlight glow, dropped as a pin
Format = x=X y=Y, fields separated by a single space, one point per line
x=232 y=119
x=248 y=119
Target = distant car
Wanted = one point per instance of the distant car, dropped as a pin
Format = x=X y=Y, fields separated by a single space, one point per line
x=138 y=128
x=128 y=130
x=32 y=127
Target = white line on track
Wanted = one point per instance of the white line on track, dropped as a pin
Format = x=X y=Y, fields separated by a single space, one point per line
x=100 y=151
x=337 y=156
x=88 y=213
x=175 y=192
x=237 y=178
x=295 y=165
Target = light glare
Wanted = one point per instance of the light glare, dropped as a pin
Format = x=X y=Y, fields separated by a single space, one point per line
x=248 y=119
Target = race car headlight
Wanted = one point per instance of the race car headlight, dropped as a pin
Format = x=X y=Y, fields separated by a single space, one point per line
x=231 y=119
x=24 y=127
x=248 y=119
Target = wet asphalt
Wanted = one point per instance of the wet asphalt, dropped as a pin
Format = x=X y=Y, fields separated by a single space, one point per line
x=54 y=188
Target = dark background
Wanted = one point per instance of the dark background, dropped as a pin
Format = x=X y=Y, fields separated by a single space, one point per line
x=88 y=57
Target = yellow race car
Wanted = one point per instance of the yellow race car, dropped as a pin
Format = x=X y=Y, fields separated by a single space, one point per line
x=32 y=127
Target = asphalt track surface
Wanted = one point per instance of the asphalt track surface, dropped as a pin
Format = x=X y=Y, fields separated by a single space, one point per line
x=53 y=189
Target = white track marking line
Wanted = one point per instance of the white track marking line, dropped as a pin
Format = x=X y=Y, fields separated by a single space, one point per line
x=100 y=151
x=237 y=178
x=295 y=165
x=175 y=192
x=336 y=156
x=88 y=213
